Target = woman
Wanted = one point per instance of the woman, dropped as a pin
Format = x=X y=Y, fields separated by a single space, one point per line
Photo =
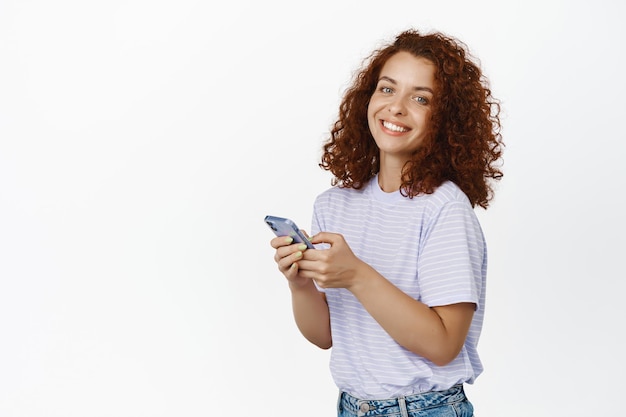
x=396 y=284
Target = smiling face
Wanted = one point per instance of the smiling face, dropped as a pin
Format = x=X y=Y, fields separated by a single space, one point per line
x=399 y=110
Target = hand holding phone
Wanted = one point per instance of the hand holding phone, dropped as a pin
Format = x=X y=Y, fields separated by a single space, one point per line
x=282 y=226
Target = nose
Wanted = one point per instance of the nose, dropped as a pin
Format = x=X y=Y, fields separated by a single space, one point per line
x=396 y=106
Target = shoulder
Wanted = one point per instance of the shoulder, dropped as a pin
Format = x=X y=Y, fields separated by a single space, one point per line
x=337 y=194
x=448 y=200
x=447 y=193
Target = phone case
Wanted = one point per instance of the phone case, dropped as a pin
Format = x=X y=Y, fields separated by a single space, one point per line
x=282 y=226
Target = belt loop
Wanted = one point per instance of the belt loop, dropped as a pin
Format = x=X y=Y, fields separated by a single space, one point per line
x=402 y=405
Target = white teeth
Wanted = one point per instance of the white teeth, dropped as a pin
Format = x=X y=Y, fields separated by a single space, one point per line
x=393 y=127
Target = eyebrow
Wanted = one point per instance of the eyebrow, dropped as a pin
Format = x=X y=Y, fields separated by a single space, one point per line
x=392 y=81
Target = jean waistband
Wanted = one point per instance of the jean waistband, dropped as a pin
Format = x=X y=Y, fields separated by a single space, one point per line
x=395 y=405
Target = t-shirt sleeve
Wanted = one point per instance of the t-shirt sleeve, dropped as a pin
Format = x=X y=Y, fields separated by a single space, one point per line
x=452 y=260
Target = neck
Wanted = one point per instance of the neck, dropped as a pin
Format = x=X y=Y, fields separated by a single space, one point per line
x=389 y=182
x=390 y=173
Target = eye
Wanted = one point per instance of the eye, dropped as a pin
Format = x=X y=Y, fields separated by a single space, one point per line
x=421 y=100
x=386 y=90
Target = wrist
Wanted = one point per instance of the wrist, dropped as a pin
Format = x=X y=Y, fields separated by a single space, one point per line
x=362 y=277
x=300 y=284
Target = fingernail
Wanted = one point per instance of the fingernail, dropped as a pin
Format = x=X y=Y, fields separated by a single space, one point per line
x=288 y=239
x=302 y=247
x=298 y=254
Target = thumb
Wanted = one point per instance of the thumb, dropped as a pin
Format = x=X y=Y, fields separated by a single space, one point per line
x=326 y=237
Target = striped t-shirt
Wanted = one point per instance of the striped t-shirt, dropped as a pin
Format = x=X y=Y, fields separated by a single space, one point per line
x=432 y=248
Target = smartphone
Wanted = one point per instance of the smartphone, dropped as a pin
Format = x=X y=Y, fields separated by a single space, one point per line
x=285 y=227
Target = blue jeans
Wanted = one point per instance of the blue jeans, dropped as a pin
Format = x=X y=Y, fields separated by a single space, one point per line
x=448 y=403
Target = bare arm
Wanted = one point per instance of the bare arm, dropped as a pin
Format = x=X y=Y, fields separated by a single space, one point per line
x=309 y=305
x=311 y=314
x=436 y=333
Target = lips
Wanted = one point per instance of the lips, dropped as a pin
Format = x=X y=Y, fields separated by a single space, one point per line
x=393 y=127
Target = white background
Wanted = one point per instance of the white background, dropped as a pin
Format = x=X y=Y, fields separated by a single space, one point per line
x=142 y=142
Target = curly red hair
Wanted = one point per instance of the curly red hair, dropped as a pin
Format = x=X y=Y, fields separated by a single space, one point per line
x=464 y=145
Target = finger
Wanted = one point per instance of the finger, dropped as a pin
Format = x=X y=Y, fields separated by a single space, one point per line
x=286 y=262
x=326 y=237
x=284 y=251
x=306 y=265
x=277 y=242
x=292 y=271
x=304 y=272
